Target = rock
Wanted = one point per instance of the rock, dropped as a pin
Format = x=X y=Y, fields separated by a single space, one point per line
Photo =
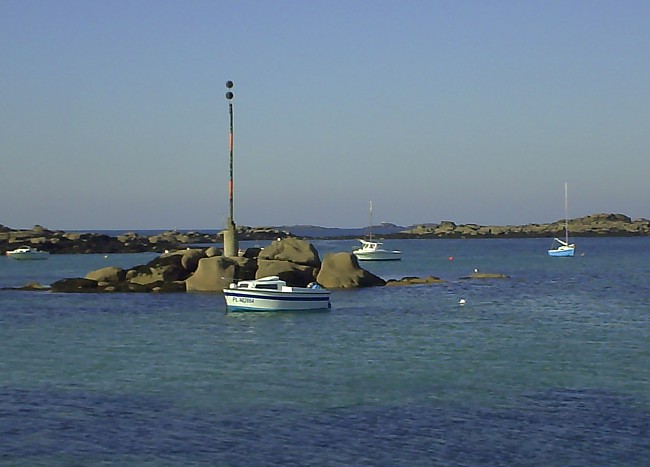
x=213 y=251
x=216 y=273
x=162 y=269
x=34 y=286
x=414 y=281
x=168 y=287
x=293 y=250
x=77 y=284
x=252 y=253
x=342 y=270
x=108 y=274
x=189 y=258
x=296 y=275
x=485 y=275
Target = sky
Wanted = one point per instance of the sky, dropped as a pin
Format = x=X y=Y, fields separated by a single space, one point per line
x=113 y=113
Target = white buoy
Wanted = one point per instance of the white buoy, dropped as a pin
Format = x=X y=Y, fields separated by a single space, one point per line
x=461 y=301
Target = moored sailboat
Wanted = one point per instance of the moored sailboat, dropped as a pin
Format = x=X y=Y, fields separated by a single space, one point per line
x=563 y=247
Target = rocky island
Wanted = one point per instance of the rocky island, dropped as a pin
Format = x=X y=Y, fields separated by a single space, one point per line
x=594 y=225
x=294 y=260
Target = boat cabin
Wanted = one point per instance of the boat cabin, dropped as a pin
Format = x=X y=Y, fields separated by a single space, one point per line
x=265 y=283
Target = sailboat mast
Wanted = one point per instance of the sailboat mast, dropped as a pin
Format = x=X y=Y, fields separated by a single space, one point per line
x=566 y=213
x=371 y=221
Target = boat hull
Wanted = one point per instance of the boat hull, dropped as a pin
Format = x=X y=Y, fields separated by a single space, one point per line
x=563 y=251
x=377 y=256
x=33 y=255
x=256 y=300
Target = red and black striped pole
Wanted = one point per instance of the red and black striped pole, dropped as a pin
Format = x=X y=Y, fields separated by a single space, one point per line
x=230 y=235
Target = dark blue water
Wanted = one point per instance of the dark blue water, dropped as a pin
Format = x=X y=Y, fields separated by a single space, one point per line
x=548 y=367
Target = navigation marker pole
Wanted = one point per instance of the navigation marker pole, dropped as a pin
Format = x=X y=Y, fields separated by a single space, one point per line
x=230 y=247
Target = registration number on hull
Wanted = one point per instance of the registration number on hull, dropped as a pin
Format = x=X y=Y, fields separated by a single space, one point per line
x=243 y=300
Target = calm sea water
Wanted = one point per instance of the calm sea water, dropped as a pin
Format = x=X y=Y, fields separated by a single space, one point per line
x=548 y=367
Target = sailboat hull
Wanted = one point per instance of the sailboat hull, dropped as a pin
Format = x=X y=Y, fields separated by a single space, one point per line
x=562 y=252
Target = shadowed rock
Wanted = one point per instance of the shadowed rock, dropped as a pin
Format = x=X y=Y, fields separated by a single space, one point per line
x=76 y=285
x=167 y=268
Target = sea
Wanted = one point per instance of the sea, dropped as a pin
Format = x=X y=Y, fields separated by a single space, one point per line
x=547 y=367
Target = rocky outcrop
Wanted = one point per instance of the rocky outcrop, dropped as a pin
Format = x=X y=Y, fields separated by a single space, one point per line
x=295 y=261
x=110 y=274
x=56 y=241
x=594 y=225
x=75 y=284
x=412 y=280
x=293 y=250
x=486 y=275
x=342 y=270
x=215 y=273
x=296 y=274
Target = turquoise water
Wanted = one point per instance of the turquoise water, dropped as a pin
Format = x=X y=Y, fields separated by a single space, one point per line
x=548 y=367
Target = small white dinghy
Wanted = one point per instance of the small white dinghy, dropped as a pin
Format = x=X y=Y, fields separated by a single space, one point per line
x=273 y=294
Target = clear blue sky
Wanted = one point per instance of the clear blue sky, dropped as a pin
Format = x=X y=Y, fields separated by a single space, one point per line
x=113 y=115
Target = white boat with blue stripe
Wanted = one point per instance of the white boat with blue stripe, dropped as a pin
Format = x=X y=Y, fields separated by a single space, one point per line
x=273 y=294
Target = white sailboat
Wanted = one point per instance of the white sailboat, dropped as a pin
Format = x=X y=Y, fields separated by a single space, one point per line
x=373 y=251
x=563 y=247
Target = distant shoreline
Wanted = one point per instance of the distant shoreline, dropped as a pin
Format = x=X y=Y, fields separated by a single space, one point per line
x=118 y=241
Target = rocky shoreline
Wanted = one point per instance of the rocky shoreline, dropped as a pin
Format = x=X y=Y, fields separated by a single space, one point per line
x=60 y=242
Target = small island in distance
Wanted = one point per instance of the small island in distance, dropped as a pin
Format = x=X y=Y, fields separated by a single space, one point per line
x=57 y=241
